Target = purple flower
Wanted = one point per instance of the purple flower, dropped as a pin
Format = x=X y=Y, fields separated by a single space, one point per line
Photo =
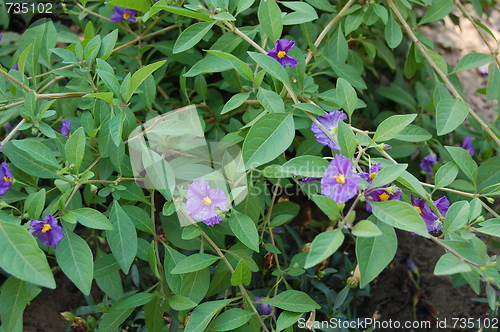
x=427 y=162
x=8 y=127
x=339 y=182
x=123 y=14
x=48 y=231
x=15 y=66
x=1 y=36
x=467 y=145
x=430 y=218
x=5 y=178
x=369 y=177
x=263 y=308
x=66 y=127
x=330 y=121
x=201 y=202
x=482 y=70
x=382 y=194
x=213 y=221
x=280 y=52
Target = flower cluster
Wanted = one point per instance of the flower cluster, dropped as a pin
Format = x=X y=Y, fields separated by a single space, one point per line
x=430 y=160
x=428 y=215
x=48 y=231
x=202 y=201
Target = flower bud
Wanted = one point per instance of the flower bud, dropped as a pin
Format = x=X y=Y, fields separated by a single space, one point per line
x=306 y=247
x=352 y=282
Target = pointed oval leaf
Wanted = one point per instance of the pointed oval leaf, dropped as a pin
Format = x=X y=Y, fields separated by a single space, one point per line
x=323 y=246
x=194 y=262
x=293 y=300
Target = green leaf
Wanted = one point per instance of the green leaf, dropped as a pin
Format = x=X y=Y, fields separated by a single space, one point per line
x=346 y=96
x=271 y=23
x=400 y=215
x=142 y=6
x=293 y=300
x=75 y=259
x=107 y=96
x=464 y=162
x=492 y=228
x=194 y=262
x=392 y=126
x=287 y=319
x=139 y=77
x=349 y=73
x=244 y=229
x=388 y=174
x=446 y=174
x=323 y=246
x=181 y=303
x=346 y=139
x=191 y=232
x=236 y=101
x=398 y=95
x=337 y=48
x=21 y=256
x=33 y=158
x=241 y=275
x=202 y=314
x=34 y=204
x=303 y=12
x=412 y=183
x=241 y=67
x=488 y=175
x=209 y=64
x=115 y=316
x=472 y=60
x=231 y=319
x=74 y=149
x=393 y=33
x=437 y=11
x=456 y=216
x=271 y=101
x=450 y=264
x=413 y=133
x=184 y=12
x=450 y=114
x=310 y=166
x=328 y=206
x=90 y=218
x=191 y=36
x=375 y=253
x=136 y=300
x=270 y=65
x=195 y=285
x=268 y=138
x=123 y=238
x=365 y=228
x=311 y=108
x=13 y=301
x=153 y=312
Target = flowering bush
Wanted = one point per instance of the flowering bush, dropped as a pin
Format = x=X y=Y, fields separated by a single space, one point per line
x=155 y=146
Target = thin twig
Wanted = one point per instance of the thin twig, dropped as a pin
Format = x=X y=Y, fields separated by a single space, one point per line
x=328 y=28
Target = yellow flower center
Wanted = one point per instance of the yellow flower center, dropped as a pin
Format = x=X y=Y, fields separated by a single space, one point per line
x=6 y=178
x=418 y=209
x=334 y=130
x=46 y=228
x=207 y=200
x=126 y=15
x=468 y=150
x=383 y=196
x=281 y=54
x=373 y=175
x=340 y=178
